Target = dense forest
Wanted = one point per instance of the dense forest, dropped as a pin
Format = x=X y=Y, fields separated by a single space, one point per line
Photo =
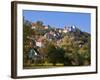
x=45 y=45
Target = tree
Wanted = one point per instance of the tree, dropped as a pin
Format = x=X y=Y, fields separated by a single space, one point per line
x=39 y=25
x=26 y=32
x=71 y=48
x=85 y=54
x=55 y=54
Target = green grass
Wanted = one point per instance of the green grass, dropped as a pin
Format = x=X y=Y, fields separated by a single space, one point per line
x=44 y=65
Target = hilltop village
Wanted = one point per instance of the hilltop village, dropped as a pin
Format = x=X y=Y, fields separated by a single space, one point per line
x=51 y=34
x=50 y=46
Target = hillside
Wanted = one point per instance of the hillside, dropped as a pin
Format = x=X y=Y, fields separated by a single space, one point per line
x=68 y=45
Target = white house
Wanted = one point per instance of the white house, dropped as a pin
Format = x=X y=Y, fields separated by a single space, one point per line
x=65 y=30
x=46 y=27
x=39 y=44
x=33 y=26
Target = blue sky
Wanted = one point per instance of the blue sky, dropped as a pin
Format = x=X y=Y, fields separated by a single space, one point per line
x=60 y=19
